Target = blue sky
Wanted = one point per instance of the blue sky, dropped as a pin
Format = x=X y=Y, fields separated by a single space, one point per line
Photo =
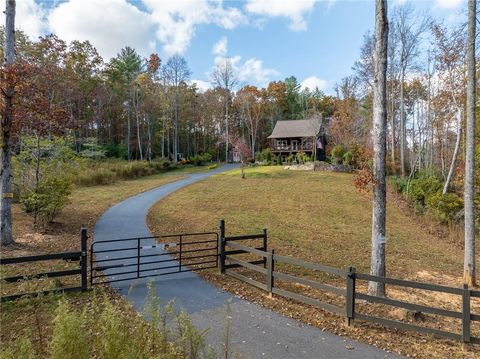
x=315 y=41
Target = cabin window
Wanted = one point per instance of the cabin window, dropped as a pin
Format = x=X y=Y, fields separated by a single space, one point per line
x=294 y=145
x=282 y=144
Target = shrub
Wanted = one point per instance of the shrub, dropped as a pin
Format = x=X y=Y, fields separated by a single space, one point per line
x=337 y=153
x=419 y=189
x=265 y=155
x=43 y=175
x=398 y=183
x=50 y=198
x=23 y=349
x=106 y=329
x=348 y=158
x=278 y=160
x=69 y=339
x=446 y=207
x=118 y=150
x=200 y=160
x=92 y=150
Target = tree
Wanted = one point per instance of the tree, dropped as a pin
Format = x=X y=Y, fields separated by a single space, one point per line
x=469 y=267
x=450 y=56
x=377 y=267
x=176 y=71
x=6 y=236
x=251 y=108
x=224 y=77
x=409 y=30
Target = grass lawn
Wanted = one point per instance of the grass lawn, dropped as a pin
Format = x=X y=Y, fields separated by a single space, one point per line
x=321 y=217
x=86 y=206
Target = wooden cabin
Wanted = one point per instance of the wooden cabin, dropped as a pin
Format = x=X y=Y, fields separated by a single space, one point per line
x=294 y=136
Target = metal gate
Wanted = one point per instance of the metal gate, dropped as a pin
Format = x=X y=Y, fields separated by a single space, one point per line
x=127 y=259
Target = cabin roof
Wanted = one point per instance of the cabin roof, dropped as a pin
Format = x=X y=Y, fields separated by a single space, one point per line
x=296 y=128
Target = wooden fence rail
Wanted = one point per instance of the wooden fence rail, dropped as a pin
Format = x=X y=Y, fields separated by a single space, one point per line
x=80 y=256
x=350 y=292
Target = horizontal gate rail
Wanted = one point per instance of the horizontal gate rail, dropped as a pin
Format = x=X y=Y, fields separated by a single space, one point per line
x=178 y=249
x=81 y=270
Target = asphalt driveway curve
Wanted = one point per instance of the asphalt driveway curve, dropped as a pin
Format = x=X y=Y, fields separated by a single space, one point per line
x=256 y=332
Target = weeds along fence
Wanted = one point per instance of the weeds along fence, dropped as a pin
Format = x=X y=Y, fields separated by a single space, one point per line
x=347 y=297
x=80 y=270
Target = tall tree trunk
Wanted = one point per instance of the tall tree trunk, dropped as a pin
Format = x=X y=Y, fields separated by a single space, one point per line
x=6 y=194
x=128 y=133
x=175 y=129
x=402 y=124
x=469 y=265
x=455 y=153
x=139 y=145
x=226 y=128
x=392 y=134
x=377 y=267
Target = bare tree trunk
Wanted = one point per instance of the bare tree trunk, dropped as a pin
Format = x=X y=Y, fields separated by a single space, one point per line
x=139 y=144
x=175 y=129
x=128 y=133
x=469 y=265
x=149 y=139
x=377 y=267
x=392 y=134
x=6 y=194
x=455 y=153
x=226 y=128
x=402 y=124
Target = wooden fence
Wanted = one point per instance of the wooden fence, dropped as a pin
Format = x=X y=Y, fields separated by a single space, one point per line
x=81 y=270
x=228 y=247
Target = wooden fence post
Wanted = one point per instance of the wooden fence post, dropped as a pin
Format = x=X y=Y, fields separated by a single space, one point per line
x=265 y=237
x=466 y=334
x=270 y=268
x=83 y=261
x=221 y=247
x=350 y=299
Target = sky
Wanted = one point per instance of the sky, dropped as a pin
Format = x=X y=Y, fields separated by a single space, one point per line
x=266 y=40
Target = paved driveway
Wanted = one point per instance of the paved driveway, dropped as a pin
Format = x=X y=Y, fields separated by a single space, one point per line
x=256 y=332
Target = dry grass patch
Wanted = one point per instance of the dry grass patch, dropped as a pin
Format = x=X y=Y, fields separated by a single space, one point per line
x=86 y=206
x=320 y=217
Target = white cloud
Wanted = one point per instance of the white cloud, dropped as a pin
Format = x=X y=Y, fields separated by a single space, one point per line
x=220 y=47
x=108 y=24
x=252 y=70
x=29 y=17
x=313 y=82
x=448 y=4
x=295 y=10
x=178 y=20
x=201 y=85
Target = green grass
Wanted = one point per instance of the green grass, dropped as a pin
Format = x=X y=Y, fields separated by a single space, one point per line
x=318 y=216
x=321 y=217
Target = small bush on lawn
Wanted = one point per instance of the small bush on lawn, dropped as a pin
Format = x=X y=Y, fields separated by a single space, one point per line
x=43 y=175
x=337 y=153
x=447 y=207
x=423 y=187
x=265 y=155
x=50 y=198
x=200 y=160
